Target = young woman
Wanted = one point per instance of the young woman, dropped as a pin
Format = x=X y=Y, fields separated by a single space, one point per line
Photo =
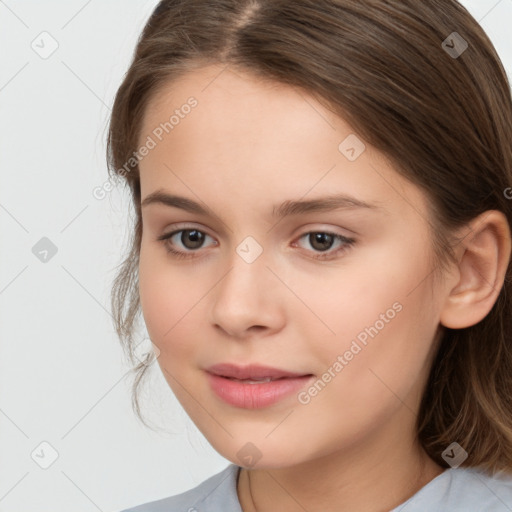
x=321 y=251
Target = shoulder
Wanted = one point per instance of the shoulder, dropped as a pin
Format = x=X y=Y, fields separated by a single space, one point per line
x=216 y=493
x=482 y=490
x=463 y=489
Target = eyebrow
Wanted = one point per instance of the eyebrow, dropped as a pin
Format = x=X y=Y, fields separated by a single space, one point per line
x=287 y=208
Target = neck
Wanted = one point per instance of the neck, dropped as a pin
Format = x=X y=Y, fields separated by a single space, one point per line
x=375 y=476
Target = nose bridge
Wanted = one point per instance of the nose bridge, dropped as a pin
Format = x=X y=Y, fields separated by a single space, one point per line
x=249 y=250
x=245 y=295
x=247 y=267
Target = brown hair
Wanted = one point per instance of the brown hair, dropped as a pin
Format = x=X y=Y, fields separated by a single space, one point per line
x=444 y=120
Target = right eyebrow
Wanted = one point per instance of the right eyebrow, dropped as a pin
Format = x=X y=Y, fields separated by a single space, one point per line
x=160 y=197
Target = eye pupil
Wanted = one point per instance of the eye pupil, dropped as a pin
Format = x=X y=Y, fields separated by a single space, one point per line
x=321 y=239
x=194 y=236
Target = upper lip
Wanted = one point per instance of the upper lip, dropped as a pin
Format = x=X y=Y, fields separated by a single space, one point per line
x=252 y=371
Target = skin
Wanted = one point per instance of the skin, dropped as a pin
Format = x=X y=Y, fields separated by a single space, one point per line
x=250 y=145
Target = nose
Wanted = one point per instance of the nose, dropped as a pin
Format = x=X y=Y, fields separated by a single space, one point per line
x=249 y=299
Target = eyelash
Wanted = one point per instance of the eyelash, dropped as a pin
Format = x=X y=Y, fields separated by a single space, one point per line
x=348 y=242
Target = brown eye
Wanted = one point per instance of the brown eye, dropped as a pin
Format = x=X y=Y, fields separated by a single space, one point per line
x=193 y=237
x=321 y=241
x=187 y=241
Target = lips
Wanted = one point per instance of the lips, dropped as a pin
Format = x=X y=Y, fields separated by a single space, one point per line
x=251 y=372
x=254 y=386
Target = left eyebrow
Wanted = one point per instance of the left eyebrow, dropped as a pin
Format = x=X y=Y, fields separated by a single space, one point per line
x=323 y=204
x=287 y=208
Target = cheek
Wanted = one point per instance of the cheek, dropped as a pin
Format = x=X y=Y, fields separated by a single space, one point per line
x=339 y=303
x=385 y=321
x=165 y=300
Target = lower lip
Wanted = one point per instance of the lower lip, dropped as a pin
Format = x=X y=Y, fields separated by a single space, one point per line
x=255 y=396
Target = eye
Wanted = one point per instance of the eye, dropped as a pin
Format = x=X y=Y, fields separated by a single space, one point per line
x=323 y=241
x=193 y=239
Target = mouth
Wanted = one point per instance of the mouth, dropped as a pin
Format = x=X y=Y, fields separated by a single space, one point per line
x=254 y=386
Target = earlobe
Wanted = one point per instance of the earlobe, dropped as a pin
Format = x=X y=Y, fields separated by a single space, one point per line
x=486 y=252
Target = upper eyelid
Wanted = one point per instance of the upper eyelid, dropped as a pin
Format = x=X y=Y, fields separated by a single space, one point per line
x=178 y=229
x=186 y=227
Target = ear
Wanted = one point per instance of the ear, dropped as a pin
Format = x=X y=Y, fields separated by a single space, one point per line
x=484 y=257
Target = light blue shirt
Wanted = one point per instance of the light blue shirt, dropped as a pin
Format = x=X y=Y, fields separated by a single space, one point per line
x=454 y=490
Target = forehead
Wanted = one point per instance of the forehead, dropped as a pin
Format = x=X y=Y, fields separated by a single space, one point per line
x=239 y=97
x=272 y=139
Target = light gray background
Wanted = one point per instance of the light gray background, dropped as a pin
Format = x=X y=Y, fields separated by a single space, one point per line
x=63 y=378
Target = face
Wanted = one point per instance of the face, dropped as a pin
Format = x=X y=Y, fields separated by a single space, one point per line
x=339 y=295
